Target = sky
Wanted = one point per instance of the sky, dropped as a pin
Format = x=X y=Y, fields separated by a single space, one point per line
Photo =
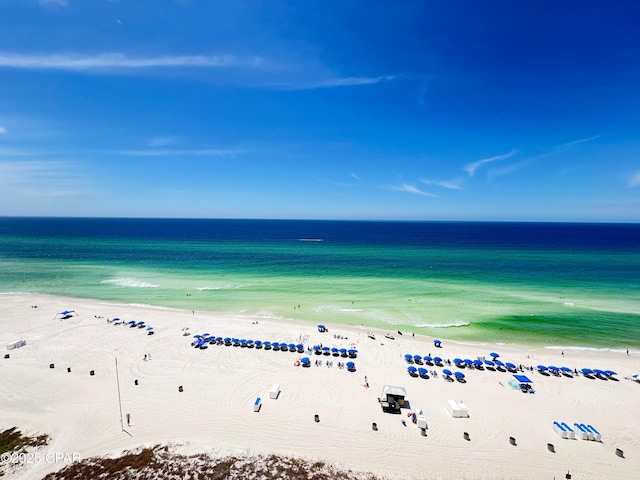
x=377 y=110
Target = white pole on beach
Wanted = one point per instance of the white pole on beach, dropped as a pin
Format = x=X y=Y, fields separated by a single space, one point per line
x=119 y=397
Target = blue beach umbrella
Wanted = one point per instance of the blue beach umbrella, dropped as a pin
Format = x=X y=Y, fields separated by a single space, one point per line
x=427 y=358
x=609 y=372
x=334 y=350
x=542 y=368
x=489 y=363
x=411 y=369
x=149 y=328
x=477 y=363
x=553 y=368
x=494 y=355
x=195 y=336
x=422 y=371
x=352 y=352
x=468 y=361
x=498 y=363
x=510 y=366
x=292 y=346
x=417 y=358
x=437 y=360
x=457 y=360
x=459 y=375
x=351 y=366
x=343 y=351
x=446 y=371
x=305 y=360
x=115 y=319
x=587 y=371
x=597 y=371
x=408 y=357
x=205 y=334
x=566 y=369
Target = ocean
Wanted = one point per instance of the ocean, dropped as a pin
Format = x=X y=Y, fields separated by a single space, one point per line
x=547 y=284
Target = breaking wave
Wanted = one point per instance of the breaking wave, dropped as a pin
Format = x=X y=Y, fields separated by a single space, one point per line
x=130 y=282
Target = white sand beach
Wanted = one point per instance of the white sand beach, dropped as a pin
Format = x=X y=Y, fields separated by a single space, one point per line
x=214 y=412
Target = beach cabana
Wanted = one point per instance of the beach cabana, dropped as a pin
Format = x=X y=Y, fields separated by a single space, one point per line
x=351 y=366
x=522 y=383
x=66 y=314
x=392 y=398
x=457 y=409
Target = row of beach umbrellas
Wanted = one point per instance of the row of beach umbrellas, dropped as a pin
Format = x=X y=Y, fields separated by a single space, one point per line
x=201 y=341
x=133 y=323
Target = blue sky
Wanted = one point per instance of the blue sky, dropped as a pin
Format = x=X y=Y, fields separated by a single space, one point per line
x=410 y=110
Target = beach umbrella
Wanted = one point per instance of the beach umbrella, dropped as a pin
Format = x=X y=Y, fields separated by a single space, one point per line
x=542 y=368
x=352 y=352
x=275 y=344
x=411 y=369
x=149 y=328
x=459 y=375
x=422 y=371
x=609 y=372
x=494 y=355
x=437 y=359
x=477 y=363
x=316 y=348
x=334 y=350
x=457 y=360
x=417 y=358
x=587 y=371
x=489 y=363
x=468 y=361
x=408 y=357
x=257 y=342
x=305 y=360
x=205 y=334
x=343 y=351
x=437 y=342
x=195 y=336
x=115 y=319
x=351 y=365
x=427 y=359
x=510 y=366
x=597 y=371
x=566 y=369
x=227 y=339
x=300 y=346
x=554 y=368
x=446 y=371
x=292 y=345
x=498 y=363
x=131 y=322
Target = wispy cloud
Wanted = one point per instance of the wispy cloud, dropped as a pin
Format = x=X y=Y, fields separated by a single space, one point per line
x=634 y=180
x=405 y=187
x=356 y=176
x=576 y=142
x=54 y=3
x=202 y=152
x=120 y=61
x=498 y=172
x=39 y=178
x=455 y=184
x=472 y=167
x=162 y=141
x=342 y=82
x=3 y=130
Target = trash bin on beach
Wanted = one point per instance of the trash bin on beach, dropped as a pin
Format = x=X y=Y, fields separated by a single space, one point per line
x=68 y=369
x=551 y=448
x=619 y=453
x=512 y=440
x=374 y=426
x=92 y=373
x=316 y=418
x=135 y=382
x=180 y=388
x=51 y=365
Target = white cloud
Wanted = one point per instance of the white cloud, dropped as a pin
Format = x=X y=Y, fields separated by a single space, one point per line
x=54 y=3
x=576 y=142
x=203 y=152
x=105 y=61
x=472 y=167
x=405 y=187
x=455 y=184
x=39 y=178
x=356 y=176
x=3 y=130
x=333 y=82
x=634 y=180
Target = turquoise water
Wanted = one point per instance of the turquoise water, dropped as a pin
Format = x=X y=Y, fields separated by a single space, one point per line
x=544 y=284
